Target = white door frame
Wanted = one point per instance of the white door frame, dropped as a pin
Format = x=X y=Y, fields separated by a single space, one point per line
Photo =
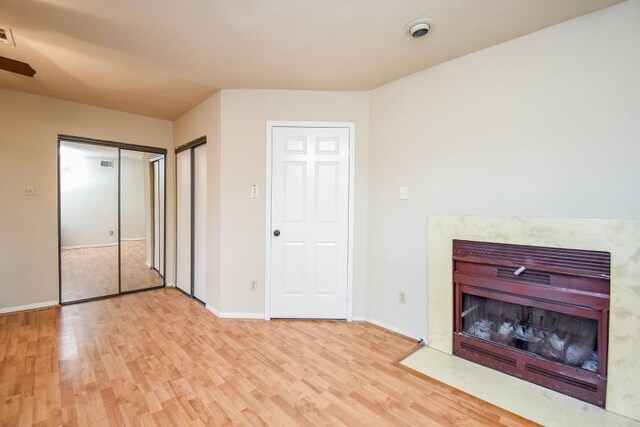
x=267 y=276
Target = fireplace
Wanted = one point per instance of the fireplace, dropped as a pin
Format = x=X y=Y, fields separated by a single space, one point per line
x=540 y=314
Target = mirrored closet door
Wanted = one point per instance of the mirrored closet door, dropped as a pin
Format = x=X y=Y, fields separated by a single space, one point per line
x=112 y=218
x=140 y=221
x=88 y=221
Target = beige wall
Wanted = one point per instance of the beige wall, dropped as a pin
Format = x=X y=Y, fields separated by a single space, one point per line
x=544 y=125
x=235 y=123
x=29 y=126
x=204 y=120
x=243 y=159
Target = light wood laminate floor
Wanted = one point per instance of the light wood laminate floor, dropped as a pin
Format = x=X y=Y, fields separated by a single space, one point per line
x=93 y=272
x=159 y=358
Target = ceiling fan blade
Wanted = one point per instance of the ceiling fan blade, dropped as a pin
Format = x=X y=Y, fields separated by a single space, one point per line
x=18 y=67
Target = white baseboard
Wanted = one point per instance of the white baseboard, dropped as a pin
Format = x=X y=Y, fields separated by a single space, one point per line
x=260 y=316
x=170 y=285
x=102 y=245
x=28 y=306
x=226 y=315
x=393 y=329
x=213 y=309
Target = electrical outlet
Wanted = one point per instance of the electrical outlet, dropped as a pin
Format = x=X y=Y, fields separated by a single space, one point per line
x=110 y=232
x=31 y=190
x=253 y=286
x=402 y=297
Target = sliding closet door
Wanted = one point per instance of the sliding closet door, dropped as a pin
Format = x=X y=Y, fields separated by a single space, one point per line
x=161 y=211
x=88 y=179
x=200 y=222
x=156 y=215
x=183 y=220
x=137 y=234
x=111 y=200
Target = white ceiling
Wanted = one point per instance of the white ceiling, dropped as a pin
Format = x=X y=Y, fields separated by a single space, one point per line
x=161 y=57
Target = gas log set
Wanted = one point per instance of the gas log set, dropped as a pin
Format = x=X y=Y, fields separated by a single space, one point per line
x=540 y=314
x=554 y=336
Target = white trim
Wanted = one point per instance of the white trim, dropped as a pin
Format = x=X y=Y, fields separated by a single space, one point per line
x=170 y=285
x=212 y=309
x=393 y=329
x=267 y=257
x=267 y=202
x=255 y=316
x=103 y=245
x=223 y=315
x=306 y=124
x=29 y=306
x=352 y=197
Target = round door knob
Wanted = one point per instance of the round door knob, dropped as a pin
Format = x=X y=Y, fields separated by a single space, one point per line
x=276 y=233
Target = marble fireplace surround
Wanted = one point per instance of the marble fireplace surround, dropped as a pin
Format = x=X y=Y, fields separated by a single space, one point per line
x=621 y=237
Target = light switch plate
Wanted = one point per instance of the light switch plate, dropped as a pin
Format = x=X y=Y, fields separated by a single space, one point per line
x=31 y=190
x=402 y=297
x=255 y=191
x=404 y=193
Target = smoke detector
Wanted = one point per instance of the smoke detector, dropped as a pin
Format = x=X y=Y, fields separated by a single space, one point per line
x=418 y=28
x=6 y=36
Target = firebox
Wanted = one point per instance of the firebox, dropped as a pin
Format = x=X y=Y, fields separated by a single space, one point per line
x=540 y=314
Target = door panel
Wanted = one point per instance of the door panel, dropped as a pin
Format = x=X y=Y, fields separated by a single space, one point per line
x=139 y=236
x=183 y=221
x=200 y=222
x=327 y=192
x=326 y=268
x=294 y=191
x=161 y=184
x=156 y=215
x=161 y=207
x=309 y=202
x=293 y=259
x=89 y=209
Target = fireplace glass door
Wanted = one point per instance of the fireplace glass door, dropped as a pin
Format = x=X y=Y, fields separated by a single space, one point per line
x=559 y=337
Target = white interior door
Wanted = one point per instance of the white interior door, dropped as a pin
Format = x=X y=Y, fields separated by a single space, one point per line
x=183 y=221
x=200 y=222
x=309 y=222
